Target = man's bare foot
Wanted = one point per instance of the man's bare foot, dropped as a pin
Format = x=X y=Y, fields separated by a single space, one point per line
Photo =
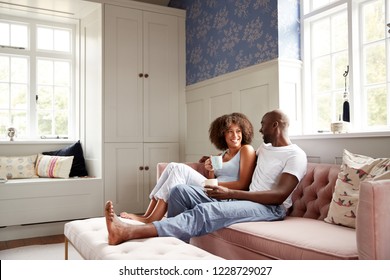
x=118 y=231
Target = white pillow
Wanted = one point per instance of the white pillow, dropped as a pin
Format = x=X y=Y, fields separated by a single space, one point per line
x=53 y=166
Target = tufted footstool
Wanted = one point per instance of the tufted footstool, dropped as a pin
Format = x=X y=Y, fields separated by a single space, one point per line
x=89 y=238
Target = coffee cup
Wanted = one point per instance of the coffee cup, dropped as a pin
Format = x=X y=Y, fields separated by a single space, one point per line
x=210 y=182
x=216 y=161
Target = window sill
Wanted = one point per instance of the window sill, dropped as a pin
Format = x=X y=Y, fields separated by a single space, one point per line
x=330 y=135
x=36 y=142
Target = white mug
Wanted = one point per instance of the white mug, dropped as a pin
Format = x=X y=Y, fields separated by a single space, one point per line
x=210 y=182
x=216 y=161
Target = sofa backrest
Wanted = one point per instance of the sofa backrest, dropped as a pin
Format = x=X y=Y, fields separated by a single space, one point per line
x=314 y=192
x=312 y=196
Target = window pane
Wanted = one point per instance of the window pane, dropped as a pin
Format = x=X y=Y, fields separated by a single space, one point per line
x=320 y=42
x=4 y=123
x=19 y=36
x=45 y=98
x=340 y=66
x=374 y=21
x=4 y=69
x=62 y=40
x=61 y=98
x=322 y=79
x=339 y=103
x=45 y=123
x=61 y=121
x=340 y=32
x=62 y=73
x=19 y=121
x=45 y=72
x=4 y=96
x=375 y=63
x=4 y=34
x=19 y=70
x=19 y=97
x=45 y=38
x=377 y=106
x=324 y=104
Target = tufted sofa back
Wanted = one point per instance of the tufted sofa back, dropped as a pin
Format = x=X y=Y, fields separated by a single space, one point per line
x=313 y=194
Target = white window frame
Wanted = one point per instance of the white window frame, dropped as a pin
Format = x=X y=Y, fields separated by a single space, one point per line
x=355 y=56
x=33 y=54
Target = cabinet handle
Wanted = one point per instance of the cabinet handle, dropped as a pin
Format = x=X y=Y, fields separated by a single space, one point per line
x=141 y=168
x=146 y=75
x=140 y=75
x=146 y=168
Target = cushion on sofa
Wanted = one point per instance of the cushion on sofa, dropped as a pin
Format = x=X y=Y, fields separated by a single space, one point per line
x=354 y=170
x=53 y=166
x=292 y=239
x=18 y=167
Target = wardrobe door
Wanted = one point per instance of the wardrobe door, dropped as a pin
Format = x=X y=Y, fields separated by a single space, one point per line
x=123 y=72
x=161 y=78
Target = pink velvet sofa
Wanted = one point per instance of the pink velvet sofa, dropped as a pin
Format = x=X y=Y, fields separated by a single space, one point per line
x=303 y=234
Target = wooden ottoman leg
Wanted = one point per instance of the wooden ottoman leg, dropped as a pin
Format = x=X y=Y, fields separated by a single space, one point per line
x=66 y=248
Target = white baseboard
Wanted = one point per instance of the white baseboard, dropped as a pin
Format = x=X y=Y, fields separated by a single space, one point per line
x=29 y=231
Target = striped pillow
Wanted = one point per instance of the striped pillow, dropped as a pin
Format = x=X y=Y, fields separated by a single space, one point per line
x=53 y=166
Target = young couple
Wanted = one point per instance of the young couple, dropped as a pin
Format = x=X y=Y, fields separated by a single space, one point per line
x=246 y=191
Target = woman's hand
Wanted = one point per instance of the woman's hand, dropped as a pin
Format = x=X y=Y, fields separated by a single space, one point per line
x=208 y=165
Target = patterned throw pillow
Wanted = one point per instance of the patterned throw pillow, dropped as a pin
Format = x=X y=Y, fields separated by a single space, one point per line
x=354 y=169
x=53 y=166
x=18 y=167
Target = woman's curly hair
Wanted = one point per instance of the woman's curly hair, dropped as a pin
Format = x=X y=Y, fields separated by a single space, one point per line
x=221 y=124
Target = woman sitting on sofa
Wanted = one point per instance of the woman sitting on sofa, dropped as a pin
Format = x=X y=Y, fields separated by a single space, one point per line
x=232 y=134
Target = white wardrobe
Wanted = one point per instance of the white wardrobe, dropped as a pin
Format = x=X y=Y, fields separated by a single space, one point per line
x=144 y=70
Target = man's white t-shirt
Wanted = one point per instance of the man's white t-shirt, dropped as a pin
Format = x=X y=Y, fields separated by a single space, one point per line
x=272 y=162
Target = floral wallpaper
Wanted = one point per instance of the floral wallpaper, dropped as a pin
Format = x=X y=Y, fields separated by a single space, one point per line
x=227 y=35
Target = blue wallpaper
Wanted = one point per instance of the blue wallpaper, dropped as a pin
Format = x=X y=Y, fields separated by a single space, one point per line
x=227 y=35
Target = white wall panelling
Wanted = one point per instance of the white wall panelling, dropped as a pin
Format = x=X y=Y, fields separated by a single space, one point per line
x=252 y=91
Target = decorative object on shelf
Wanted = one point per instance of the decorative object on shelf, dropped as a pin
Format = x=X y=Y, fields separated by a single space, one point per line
x=339 y=127
x=345 y=96
x=11 y=133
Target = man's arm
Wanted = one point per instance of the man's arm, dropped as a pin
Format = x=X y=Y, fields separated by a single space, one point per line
x=276 y=196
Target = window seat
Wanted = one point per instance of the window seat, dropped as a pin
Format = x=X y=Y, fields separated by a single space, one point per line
x=42 y=200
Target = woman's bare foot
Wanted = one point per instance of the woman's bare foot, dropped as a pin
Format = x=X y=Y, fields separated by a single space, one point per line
x=131 y=216
x=118 y=231
x=145 y=220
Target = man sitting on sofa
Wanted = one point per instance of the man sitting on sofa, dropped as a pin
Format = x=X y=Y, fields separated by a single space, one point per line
x=194 y=212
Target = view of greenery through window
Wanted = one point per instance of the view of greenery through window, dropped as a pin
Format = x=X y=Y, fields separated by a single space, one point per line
x=35 y=79
x=332 y=43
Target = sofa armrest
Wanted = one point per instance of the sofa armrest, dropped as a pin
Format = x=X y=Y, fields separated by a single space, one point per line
x=195 y=165
x=373 y=223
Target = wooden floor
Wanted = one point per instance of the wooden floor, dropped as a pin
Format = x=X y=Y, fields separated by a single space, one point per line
x=4 y=245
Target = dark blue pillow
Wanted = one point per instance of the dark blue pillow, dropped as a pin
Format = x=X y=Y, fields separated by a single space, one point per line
x=78 y=166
